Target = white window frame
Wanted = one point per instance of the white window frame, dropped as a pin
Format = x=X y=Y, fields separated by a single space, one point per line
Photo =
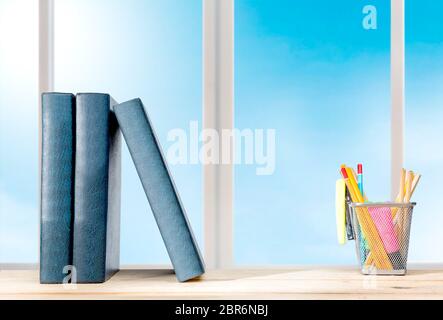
x=218 y=110
x=218 y=114
x=397 y=92
x=45 y=74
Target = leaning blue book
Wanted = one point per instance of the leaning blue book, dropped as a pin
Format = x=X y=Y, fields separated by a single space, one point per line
x=96 y=251
x=57 y=186
x=160 y=189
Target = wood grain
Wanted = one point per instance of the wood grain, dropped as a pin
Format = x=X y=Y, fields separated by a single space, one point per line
x=291 y=283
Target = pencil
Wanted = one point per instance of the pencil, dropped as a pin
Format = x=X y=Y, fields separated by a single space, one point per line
x=415 y=182
x=381 y=259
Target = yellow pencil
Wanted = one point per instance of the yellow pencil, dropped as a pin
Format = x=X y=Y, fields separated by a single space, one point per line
x=381 y=259
x=401 y=192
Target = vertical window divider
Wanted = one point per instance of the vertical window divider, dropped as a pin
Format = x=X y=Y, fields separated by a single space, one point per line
x=45 y=73
x=218 y=114
x=397 y=92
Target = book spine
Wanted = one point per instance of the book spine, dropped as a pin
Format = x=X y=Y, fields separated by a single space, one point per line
x=160 y=189
x=97 y=190
x=57 y=186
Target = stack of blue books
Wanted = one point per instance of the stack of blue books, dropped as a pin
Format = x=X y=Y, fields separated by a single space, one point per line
x=81 y=184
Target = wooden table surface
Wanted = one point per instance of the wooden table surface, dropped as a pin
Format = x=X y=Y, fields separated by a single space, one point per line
x=294 y=283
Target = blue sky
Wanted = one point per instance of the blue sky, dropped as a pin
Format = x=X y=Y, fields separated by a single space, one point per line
x=309 y=70
x=424 y=111
x=305 y=68
x=146 y=49
x=18 y=132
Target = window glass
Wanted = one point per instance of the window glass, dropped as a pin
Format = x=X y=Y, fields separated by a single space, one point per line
x=424 y=115
x=18 y=132
x=318 y=72
x=147 y=49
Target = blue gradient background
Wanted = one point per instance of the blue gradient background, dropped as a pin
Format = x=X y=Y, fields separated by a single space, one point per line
x=311 y=71
x=424 y=115
x=146 y=49
x=18 y=131
x=305 y=68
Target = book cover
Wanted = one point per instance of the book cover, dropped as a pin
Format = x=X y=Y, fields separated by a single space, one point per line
x=160 y=189
x=57 y=185
x=96 y=252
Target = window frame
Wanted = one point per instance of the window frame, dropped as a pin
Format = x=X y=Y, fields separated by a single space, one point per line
x=218 y=110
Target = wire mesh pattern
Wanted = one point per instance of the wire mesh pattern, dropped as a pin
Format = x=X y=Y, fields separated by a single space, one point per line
x=381 y=232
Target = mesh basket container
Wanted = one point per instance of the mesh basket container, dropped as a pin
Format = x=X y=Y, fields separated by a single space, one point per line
x=381 y=232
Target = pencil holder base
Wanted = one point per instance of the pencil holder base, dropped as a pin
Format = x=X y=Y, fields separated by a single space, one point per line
x=372 y=271
x=381 y=232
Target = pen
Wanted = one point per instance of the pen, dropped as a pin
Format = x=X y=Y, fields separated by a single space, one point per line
x=360 y=177
x=363 y=245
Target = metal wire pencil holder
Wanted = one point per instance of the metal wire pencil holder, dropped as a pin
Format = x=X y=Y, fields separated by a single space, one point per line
x=381 y=232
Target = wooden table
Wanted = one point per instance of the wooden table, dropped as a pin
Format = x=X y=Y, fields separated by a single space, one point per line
x=291 y=283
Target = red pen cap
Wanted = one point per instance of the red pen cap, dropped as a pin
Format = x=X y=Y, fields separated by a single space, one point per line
x=344 y=173
x=360 y=168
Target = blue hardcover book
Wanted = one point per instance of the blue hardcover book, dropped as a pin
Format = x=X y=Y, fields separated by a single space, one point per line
x=57 y=186
x=160 y=189
x=97 y=189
